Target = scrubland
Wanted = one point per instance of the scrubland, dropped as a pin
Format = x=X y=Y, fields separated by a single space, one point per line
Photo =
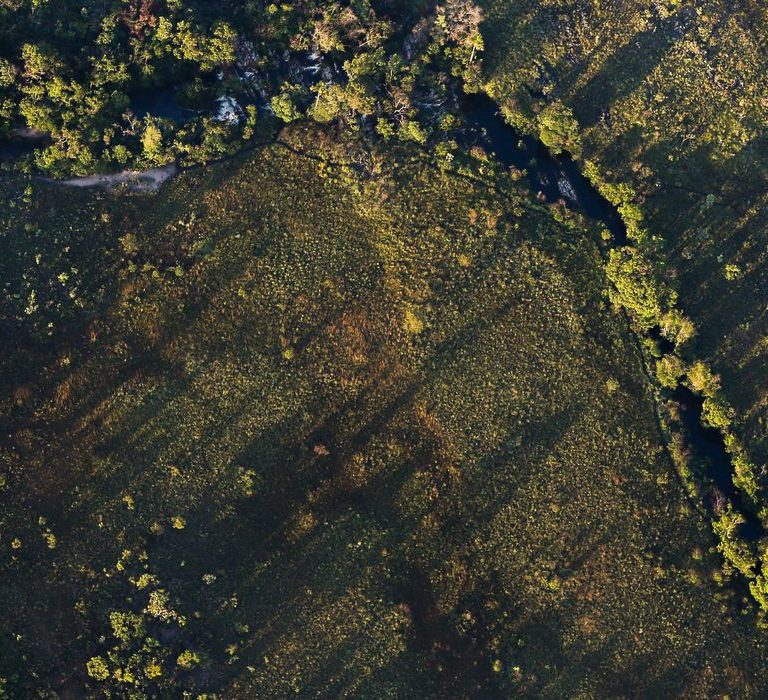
x=318 y=422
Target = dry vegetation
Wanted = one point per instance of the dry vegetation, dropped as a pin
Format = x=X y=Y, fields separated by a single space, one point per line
x=326 y=430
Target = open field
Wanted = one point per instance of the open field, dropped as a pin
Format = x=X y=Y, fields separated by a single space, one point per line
x=328 y=430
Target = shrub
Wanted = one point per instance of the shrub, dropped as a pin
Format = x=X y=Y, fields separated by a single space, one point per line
x=559 y=130
x=126 y=625
x=759 y=590
x=97 y=668
x=702 y=380
x=716 y=413
x=188 y=660
x=635 y=286
x=284 y=107
x=744 y=476
x=412 y=323
x=735 y=550
x=669 y=369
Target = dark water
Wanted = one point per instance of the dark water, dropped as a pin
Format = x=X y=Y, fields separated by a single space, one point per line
x=10 y=150
x=555 y=178
x=161 y=103
x=559 y=179
x=709 y=451
x=18 y=145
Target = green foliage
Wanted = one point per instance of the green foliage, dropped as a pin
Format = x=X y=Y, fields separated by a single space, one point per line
x=702 y=380
x=284 y=107
x=661 y=134
x=152 y=142
x=559 y=130
x=669 y=369
x=744 y=477
x=188 y=660
x=97 y=668
x=759 y=590
x=391 y=69
x=7 y=73
x=716 y=413
x=735 y=550
x=635 y=286
x=329 y=103
x=127 y=626
x=677 y=327
x=412 y=131
x=384 y=448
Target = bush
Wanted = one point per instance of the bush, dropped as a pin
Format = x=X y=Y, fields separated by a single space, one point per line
x=126 y=625
x=284 y=107
x=669 y=369
x=702 y=380
x=635 y=286
x=97 y=668
x=559 y=130
x=716 y=413
x=188 y=660
x=735 y=550
x=759 y=590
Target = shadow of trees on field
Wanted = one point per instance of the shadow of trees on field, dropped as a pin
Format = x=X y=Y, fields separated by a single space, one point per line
x=358 y=548
x=626 y=69
x=702 y=238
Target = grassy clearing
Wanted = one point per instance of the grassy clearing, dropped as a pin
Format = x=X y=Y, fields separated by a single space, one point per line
x=328 y=430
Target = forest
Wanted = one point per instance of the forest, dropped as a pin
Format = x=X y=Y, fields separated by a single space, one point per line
x=376 y=348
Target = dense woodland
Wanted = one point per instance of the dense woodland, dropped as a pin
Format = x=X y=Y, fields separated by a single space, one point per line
x=79 y=74
x=346 y=408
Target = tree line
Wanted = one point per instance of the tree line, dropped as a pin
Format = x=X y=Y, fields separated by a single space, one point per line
x=74 y=71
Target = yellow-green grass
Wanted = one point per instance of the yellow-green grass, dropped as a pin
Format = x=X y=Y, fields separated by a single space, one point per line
x=376 y=431
x=671 y=99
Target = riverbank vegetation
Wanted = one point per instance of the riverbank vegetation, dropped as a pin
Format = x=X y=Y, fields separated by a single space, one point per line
x=666 y=106
x=139 y=84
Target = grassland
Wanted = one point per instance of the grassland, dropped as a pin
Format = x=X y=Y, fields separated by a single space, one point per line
x=328 y=430
x=670 y=99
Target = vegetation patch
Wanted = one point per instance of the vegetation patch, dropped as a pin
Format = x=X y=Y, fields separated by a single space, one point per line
x=317 y=428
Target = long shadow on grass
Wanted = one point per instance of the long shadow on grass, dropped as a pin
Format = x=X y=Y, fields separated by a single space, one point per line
x=628 y=66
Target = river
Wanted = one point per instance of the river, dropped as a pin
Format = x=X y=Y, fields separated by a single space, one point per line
x=558 y=179
x=555 y=178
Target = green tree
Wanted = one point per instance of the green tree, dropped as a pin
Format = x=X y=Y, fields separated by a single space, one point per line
x=735 y=550
x=152 y=141
x=559 y=130
x=97 y=668
x=702 y=380
x=669 y=369
x=188 y=660
x=127 y=625
x=635 y=286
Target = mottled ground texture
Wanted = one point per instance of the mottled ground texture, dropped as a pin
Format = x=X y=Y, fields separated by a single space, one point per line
x=366 y=431
x=671 y=98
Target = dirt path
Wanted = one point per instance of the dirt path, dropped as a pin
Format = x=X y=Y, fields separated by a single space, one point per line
x=138 y=181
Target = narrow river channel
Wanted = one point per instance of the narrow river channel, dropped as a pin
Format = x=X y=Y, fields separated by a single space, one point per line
x=559 y=179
